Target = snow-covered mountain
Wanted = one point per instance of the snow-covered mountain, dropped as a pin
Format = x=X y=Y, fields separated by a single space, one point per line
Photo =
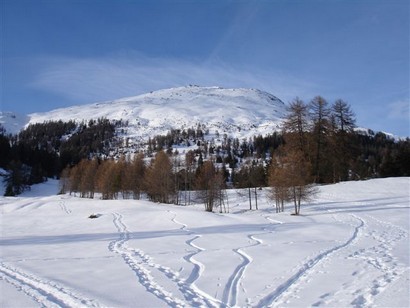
x=13 y=122
x=237 y=112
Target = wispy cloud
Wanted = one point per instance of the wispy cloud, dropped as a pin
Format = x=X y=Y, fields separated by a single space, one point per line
x=399 y=110
x=88 y=80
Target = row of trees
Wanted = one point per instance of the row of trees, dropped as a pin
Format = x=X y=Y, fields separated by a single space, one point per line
x=161 y=180
x=316 y=149
x=320 y=135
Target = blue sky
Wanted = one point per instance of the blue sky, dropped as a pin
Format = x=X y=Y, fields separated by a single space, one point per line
x=57 y=53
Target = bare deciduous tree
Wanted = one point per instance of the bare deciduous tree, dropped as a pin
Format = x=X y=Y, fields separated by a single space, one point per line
x=290 y=180
x=87 y=181
x=296 y=125
x=136 y=175
x=344 y=116
x=209 y=183
x=159 y=179
x=279 y=186
x=320 y=115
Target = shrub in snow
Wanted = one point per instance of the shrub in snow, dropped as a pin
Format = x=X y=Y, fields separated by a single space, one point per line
x=94 y=216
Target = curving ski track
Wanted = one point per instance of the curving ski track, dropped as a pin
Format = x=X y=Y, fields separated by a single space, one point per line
x=47 y=293
x=293 y=280
x=139 y=262
x=198 y=268
x=380 y=257
x=365 y=287
x=119 y=247
x=230 y=294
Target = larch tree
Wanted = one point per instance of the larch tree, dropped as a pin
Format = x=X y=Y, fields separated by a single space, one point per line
x=189 y=175
x=298 y=173
x=75 y=179
x=209 y=184
x=123 y=171
x=289 y=173
x=136 y=175
x=107 y=179
x=278 y=184
x=320 y=116
x=290 y=179
x=159 y=179
x=344 y=121
x=296 y=125
x=87 y=182
x=251 y=176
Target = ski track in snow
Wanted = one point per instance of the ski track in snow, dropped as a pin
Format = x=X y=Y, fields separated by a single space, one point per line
x=279 y=296
x=135 y=260
x=380 y=257
x=35 y=204
x=47 y=293
x=64 y=207
x=230 y=294
x=140 y=263
x=198 y=267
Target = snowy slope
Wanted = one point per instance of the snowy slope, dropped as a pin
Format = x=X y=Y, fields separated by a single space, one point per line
x=13 y=122
x=234 y=111
x=350 y=248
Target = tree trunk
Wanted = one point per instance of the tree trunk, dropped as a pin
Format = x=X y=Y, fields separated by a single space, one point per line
x=256 y=199
x=250 y=198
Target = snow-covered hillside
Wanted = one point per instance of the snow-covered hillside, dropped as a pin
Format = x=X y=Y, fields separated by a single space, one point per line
x=350 y=248
x=243 y=112
x=13 y=122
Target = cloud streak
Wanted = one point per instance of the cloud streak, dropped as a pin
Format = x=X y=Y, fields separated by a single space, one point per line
x=88 y=80
x=399 y=110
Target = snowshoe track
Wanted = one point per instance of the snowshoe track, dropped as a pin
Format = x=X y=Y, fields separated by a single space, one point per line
x=380 y=257
x=293 y=281
x=64 y=207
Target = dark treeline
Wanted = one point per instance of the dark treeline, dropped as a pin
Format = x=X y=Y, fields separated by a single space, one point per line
x=42 y=151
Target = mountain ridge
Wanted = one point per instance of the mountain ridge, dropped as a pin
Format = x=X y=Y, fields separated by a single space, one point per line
x=238 y=112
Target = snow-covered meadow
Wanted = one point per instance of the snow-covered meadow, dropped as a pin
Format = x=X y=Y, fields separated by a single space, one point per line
x=350 y=247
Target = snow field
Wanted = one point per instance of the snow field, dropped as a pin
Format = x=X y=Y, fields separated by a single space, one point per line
x=350 y=247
